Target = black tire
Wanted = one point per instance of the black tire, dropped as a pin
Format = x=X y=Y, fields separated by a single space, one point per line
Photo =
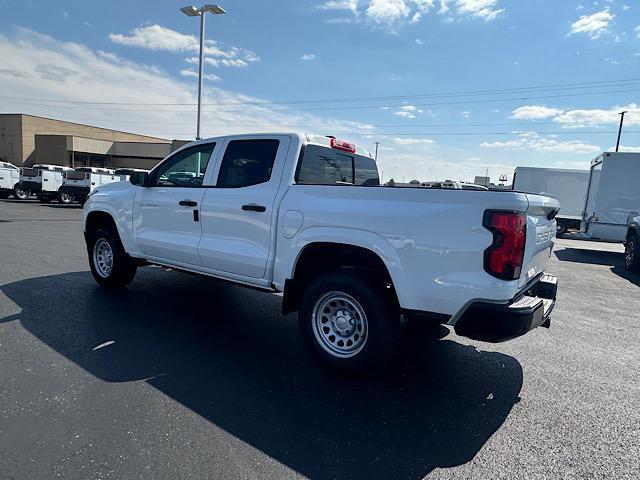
x=19 y=193
x=632 y=254
x=123 y=268
x=65 y=198
x=561 y=229
x=82 y=201
x=381 y=323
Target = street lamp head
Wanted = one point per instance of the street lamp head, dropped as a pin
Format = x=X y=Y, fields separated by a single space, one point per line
x=215 y=9
x=190 y=11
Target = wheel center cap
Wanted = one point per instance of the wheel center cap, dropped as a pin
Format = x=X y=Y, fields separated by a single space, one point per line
x=343 y=323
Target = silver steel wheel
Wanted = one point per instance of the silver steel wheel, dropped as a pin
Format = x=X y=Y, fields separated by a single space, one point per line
x=103 y=258
x=66 y=197
x=339 y=324
x=21 y=194
x=629 y=253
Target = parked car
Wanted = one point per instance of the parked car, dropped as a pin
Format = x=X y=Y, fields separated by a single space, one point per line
x=9 y=179
x=305 y=215
x=632 y=243
x=43 y=181
x=81 y=181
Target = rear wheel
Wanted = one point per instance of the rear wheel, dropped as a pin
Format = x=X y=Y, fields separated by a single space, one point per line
x=65 y=198
x=110 y=265
x=561 y=229
x=19 y=193
x=632 y=254
x=349 y=323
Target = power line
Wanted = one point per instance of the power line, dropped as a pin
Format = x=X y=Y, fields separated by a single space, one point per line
x=503 y=91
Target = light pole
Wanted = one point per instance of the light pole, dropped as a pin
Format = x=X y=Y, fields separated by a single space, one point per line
x=620 y=129
x=192 y=11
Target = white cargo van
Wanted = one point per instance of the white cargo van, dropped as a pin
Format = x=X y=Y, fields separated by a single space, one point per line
x=41 y=180
x=80 y=182
x=568 y=186
x=612 y=195
x=9 y=179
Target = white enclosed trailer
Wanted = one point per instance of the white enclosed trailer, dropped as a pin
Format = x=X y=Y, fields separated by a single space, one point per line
x=9 y=179
x=613 y=194
x=41 y=180
x=567 y=186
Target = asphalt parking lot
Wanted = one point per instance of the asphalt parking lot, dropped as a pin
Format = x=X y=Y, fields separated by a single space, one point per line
x=186 y=377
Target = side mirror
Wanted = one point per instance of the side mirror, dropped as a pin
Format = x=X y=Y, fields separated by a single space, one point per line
x=139 y=178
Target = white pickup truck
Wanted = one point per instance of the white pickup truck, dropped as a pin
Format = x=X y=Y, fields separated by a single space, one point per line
x=305 y=215
x=77 y=184
x=43 y=181
x=9 y=179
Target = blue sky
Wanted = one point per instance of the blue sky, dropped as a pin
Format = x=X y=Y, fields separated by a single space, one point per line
x=397 y=71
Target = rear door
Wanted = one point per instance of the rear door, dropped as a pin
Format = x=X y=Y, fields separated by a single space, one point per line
x=166 y=223
x=238 y=213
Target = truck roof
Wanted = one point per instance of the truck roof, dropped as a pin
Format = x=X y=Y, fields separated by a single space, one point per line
x=306 y=138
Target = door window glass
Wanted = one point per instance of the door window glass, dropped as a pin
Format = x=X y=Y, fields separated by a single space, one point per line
x=184 y=169
x=247 y=162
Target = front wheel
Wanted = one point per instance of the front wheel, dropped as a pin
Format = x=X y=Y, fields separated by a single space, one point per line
x=19 y=193
x=65 y=198
x=349 y=323
x=110 y=265
x=632 y=254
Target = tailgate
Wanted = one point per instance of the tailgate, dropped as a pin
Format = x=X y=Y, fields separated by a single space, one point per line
x=541 y=234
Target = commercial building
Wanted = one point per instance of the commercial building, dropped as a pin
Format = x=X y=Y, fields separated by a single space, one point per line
x=28 y=139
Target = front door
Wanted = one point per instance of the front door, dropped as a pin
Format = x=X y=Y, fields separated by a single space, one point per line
x=238 y=213
x=166 y=222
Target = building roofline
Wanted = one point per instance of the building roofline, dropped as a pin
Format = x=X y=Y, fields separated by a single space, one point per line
x=83 y=125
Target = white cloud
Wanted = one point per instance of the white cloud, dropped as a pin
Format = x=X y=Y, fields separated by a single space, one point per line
x=407 y=111
x=387 y=11
x=593 y=25
x=156 y=37
x=598 y=116
x=413 y=141
x=483 y=9
x=533 y=141
x=308 y=56
x=168 y=108
x=404 y=114
x=534 y=112
x=637 y=30
x=193 y=73
x=626 y=149
x=340 y=5
x=420 y=42
x=466 y=114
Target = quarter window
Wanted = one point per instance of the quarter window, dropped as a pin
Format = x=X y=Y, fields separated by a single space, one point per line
x=247 y=162
x=184 y=169
x=325 y=166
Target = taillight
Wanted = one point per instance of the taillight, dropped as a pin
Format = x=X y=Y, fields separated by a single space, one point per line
x=344 y=146
x=503 y=259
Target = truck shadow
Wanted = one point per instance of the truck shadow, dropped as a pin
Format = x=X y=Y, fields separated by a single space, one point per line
x=599 y=257
x=227 y=354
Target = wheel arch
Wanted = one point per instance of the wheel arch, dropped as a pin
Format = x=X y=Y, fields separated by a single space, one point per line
x=320 y=257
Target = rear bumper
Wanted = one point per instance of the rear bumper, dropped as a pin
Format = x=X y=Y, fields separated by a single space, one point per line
x=31 y=186
x=74 y=190
x=490 y=322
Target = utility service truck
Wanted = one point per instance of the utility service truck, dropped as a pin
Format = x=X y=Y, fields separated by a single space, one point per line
x=9 y=179
x=306 y=216
x=43 y=181
x=613 y=194
x=82 y=180
x=568 y=186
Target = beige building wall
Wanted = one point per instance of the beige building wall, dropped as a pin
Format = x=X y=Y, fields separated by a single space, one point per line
x=32 y=125
x=51 y=149
x=11 y=138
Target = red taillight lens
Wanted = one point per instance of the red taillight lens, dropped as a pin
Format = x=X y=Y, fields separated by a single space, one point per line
x=344 y=146
x=503 y=259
